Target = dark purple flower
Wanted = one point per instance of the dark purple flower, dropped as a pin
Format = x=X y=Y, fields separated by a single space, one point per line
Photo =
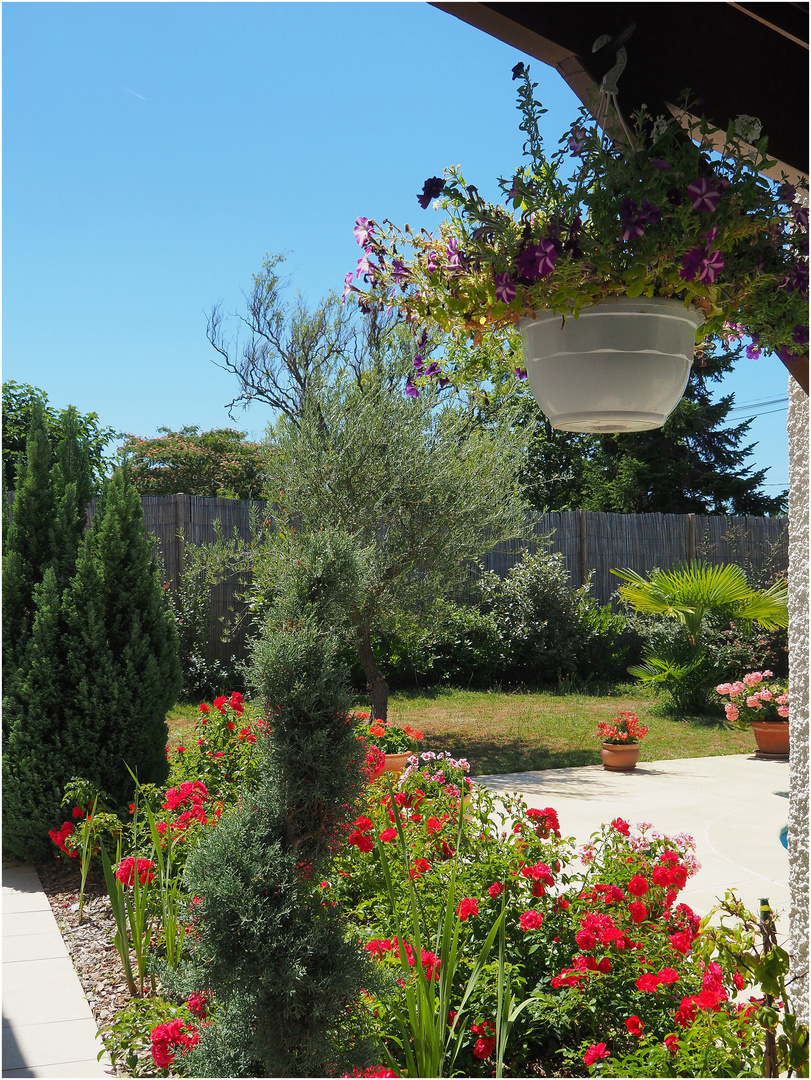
x=411 y=389
x=419 y=364
x=650 y=214
x=661 y=165
x=430 y=189
x=398 y=272
x=443 y=382
x=363 y=230
x=505 y=289
x=754 y=350
x=703 y=195
x=515 y=191
x=432 y=264
x=800 y=335
x=521 y=373
x=537 y=260
x=786 y=355
x=674 y=196
x=787 y=193
x=800 y=216
x=432 y=369
x=711 y=266
x=518 y=71
x=632 y=227
x=690 y=263
x=577 y=140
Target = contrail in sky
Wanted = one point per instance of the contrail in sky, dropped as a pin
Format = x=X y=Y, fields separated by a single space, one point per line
x=141 y=96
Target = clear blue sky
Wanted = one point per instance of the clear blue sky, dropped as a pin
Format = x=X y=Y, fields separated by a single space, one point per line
x=154 y=152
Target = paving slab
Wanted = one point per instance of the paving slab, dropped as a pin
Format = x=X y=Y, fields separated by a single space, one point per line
x=734 y=807
x=48 y=1028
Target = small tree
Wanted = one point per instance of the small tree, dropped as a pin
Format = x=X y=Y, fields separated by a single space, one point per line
x=270 y=948
x=216 y=464
x=20 y=404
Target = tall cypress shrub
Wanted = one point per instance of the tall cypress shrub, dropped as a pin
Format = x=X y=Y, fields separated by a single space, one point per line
x=98 y=672
x=271 y=948
x=122 y=649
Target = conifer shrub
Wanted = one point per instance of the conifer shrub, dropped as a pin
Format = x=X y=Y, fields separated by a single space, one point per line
x=89 y=693
x=272 y=949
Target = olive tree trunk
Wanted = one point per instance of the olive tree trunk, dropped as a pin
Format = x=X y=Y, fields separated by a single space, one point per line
x=377 y=686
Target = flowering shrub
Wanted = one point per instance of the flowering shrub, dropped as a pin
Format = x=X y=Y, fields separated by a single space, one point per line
x=607 y=964
x=625 y=729
x=430 y=774
x=222 y=751
x=663 y=215
x=754 y=697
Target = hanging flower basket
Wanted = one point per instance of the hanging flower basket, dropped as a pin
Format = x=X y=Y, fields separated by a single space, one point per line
x=676 y=210
x=621 y=366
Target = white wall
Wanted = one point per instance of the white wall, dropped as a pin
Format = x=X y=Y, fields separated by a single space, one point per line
x=799 y=556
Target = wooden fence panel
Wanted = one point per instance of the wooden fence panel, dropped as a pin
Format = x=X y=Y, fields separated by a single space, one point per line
x=591 y=543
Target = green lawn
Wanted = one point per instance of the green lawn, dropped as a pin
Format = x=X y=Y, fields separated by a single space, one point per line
x=513 y=732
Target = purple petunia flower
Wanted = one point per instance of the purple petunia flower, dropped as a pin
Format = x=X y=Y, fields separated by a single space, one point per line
x=411 y=389
x=754 y=350
x=800 y=216
x=690 y=263
x=515 y=191
x=786 y=355
x=365 y=268
x=711 y=267
x=505 y=289
x=787 y=193
x=661 y=165
x=453 y=252
x=432 y=369
x=537 y=260
x=363 y=230
x=348 y=287
x=703 y=195
x=521 y=373
x=800 y=335
x=398 y=272
x=577 y=141
x=430 y=189
x=432 y=264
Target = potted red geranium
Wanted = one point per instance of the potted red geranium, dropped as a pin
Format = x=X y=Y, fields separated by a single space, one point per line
x=620 y=741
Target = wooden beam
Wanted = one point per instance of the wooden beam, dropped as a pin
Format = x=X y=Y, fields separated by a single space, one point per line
x=745 y=10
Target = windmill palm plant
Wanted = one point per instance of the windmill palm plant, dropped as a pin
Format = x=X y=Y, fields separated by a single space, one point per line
x=695 y=595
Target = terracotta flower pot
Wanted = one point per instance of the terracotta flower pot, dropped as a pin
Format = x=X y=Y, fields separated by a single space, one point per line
x=771 y=737
x=619 y=757
x=396 y=763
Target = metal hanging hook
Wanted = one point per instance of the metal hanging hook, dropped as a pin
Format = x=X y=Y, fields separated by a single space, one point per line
x=608 y=87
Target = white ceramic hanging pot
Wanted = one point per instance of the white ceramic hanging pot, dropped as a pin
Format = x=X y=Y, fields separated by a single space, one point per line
x=622 y=365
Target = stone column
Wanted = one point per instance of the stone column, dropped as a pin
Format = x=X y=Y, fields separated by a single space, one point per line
x=799 y=555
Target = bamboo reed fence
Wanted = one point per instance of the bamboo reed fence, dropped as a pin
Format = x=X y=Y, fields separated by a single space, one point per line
x=591 y=543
